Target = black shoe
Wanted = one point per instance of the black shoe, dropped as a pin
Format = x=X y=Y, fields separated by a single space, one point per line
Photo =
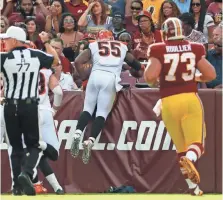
x=26 y=184
x=16 y=191
x=60 y=192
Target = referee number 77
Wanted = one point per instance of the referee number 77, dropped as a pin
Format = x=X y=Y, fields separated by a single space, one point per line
x=22 y=64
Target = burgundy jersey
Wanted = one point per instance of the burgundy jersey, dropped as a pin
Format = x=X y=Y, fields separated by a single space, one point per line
x=179 y=59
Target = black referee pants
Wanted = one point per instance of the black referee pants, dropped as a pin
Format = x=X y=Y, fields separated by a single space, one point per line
x=23 y=118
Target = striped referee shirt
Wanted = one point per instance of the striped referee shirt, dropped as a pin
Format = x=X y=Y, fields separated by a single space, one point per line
x=20 y=68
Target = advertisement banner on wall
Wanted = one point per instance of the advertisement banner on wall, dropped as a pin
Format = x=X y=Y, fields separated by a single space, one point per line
x=133 y=149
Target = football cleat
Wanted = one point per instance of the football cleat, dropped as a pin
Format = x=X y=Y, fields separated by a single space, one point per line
x=26 y=183
x=74 y=150
x=60 y=192
x=196 y=191
x=190 y=169
x=16 y=191
x=39 y=188
x=88 y=144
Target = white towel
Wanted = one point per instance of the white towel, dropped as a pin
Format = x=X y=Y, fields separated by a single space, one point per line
x=158 y=107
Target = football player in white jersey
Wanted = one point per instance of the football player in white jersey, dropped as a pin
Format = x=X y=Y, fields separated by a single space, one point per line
x=107 y=56
x=50 y=143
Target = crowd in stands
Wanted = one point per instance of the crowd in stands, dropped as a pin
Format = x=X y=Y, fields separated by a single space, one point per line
x=72 y=24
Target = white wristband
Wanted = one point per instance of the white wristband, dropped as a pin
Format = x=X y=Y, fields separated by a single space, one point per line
x=58 y=96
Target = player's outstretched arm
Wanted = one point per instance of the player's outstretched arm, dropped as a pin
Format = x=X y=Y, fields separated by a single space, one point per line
x=81 y=59
x=49 y=49
x=207 y=71
x=152 y=71
x=132 y=62
x=57 y=91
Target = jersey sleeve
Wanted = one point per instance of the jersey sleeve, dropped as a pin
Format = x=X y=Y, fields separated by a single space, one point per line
x=3 y=58
x=153 y=52
x=47 y=72
x=46 y=60
x=199 y=52
x=124 y=46
x=92 y=47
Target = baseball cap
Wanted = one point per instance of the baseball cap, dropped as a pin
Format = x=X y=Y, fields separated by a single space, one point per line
x=15 y=33
x=144 y=13
x=117 y=14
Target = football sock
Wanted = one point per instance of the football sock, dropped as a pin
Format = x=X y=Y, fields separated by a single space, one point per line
x=190 y=184
x=83 y=120
x=53 y=182
x=97 y=126
x=192 y=156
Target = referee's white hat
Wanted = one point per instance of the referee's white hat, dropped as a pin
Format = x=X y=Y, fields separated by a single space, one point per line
x=15 y=33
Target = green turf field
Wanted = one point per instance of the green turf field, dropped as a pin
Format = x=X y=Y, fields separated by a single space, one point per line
x=115 y=197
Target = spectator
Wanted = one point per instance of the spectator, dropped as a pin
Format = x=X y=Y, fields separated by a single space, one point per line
x=145 y=36
x=69 y=34
x=26 y=10
x=214 y=56
x=117 y=21
x=109 y=9
x=208 y=2
x=168 y=9
x=76 y=8
x=4 y=24
x=203 y=22
x=131 y=23
x=188 y=24
x=33 y=33
x=43 y=7
x=57 y=44
x=153 y=6
x=65 y=80
x=97 y=20
x=117 y=5
x=52 y=20
x=127 y=39
x=8 y=6
x=215 y=10
x=183 y=5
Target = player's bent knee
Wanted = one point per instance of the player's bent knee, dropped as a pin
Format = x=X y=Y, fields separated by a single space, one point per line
x=51 y=153
x=55 y=156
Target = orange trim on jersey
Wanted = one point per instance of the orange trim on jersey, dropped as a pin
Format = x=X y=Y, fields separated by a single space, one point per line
x=91 y=41
x=84 y=84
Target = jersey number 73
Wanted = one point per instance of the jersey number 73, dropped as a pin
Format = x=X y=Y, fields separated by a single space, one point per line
x=175 y=59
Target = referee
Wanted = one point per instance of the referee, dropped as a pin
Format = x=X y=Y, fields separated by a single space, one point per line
x=20 y=68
